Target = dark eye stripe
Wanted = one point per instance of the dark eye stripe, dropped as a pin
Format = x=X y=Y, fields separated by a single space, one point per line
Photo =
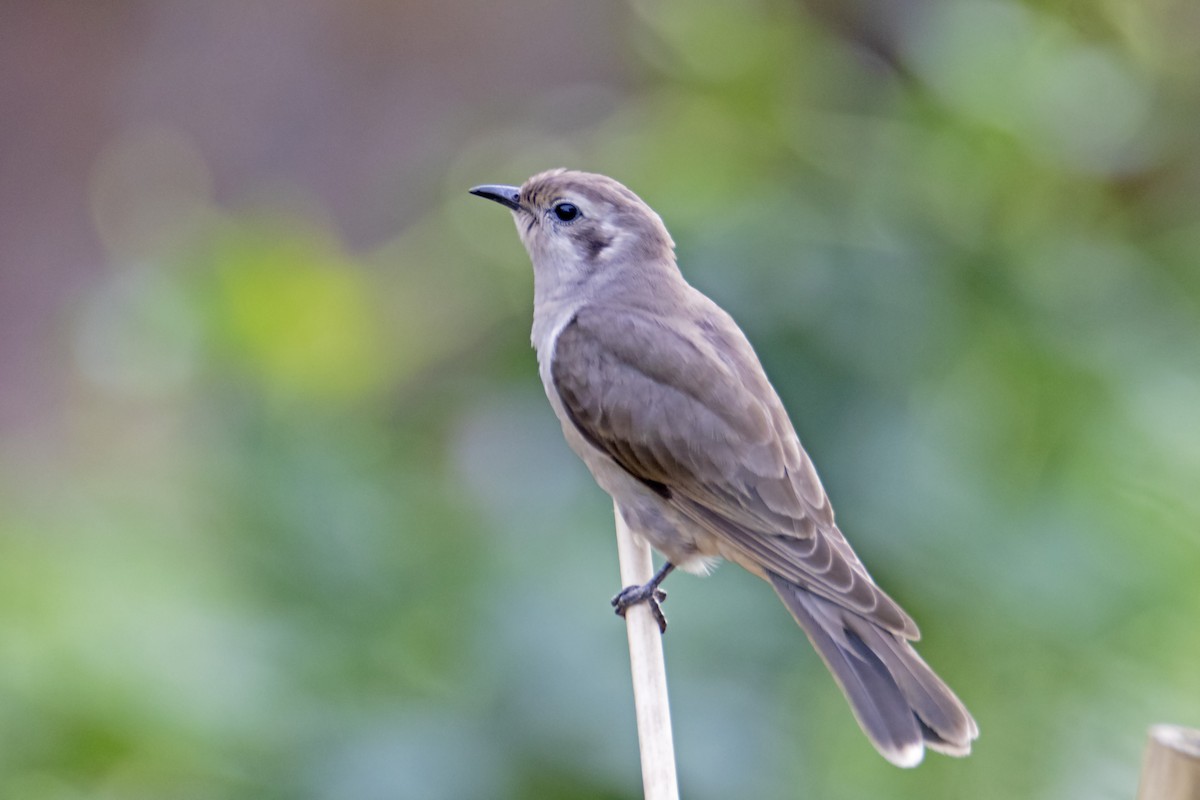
x=596 y=244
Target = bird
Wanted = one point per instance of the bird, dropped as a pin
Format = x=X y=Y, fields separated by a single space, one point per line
x=662 y=396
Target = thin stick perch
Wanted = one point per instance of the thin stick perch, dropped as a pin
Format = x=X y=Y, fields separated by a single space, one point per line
x=649 y=673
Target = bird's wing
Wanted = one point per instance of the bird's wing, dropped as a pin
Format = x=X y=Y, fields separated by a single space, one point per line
x=684 y=407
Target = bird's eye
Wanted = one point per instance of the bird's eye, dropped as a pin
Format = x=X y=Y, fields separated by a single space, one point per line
x=566 y=211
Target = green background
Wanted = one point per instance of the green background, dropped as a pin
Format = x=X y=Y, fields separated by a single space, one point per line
x=285 y=514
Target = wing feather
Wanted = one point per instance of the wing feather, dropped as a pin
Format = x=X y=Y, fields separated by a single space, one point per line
x=686 y=406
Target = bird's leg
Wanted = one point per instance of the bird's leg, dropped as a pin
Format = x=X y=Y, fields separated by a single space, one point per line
x=648 y=592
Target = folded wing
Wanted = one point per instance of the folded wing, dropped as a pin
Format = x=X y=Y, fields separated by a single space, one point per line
x=684 y=406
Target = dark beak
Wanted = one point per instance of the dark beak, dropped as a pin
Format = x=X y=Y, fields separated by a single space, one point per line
x=504 y=195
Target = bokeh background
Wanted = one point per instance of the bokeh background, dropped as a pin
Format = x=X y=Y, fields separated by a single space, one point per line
x=284 y=513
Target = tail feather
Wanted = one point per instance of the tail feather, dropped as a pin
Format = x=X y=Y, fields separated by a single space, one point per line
x=936 y=706
x=899 y=702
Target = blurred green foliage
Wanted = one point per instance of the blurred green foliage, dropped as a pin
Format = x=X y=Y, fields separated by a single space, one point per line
x=307 y=529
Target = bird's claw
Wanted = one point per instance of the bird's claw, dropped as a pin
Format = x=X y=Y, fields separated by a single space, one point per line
x=647 y=593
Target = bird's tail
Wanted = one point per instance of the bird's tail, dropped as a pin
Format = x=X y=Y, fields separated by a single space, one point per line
x=902 y=706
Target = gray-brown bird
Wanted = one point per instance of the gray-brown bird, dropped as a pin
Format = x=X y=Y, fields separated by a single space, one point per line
x=662 y=396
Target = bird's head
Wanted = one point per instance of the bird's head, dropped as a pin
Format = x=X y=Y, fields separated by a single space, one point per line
x=577 y=223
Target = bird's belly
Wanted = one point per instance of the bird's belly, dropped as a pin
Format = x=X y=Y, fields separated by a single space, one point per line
x=647 y=514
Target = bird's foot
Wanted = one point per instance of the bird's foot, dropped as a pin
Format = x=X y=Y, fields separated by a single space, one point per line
x=648 y=593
